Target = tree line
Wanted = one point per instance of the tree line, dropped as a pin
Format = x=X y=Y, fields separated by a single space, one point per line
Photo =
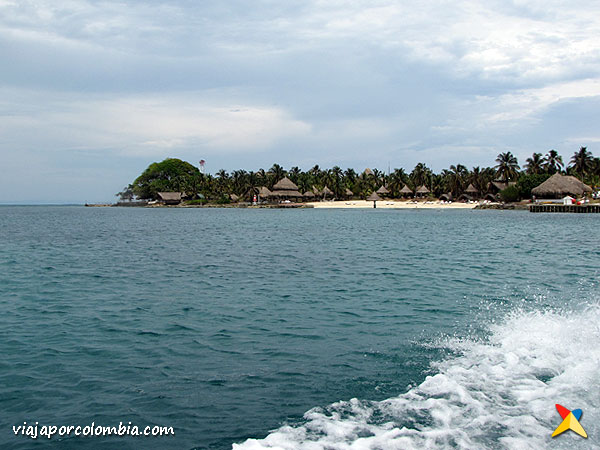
x=175 y=175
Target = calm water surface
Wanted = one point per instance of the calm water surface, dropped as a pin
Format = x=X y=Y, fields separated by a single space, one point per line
x=229 y=324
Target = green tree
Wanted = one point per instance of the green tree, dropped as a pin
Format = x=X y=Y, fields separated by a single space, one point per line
x=170 y=175
x=536 y=164
x=527 y=182
x=581 y=162
x=554 y=162
x=507 y=167
x=126 y=194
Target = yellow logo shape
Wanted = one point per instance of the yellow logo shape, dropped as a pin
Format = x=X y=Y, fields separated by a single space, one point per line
x=570 y=421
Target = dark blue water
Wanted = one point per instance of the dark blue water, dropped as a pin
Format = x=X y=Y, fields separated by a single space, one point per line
x=228 y=323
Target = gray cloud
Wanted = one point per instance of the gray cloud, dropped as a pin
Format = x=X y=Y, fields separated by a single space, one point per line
x=105 y=88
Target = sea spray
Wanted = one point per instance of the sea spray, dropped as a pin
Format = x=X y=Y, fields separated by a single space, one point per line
x=497 y=392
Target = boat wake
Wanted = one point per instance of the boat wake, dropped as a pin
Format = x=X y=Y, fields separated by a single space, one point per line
x=497 y=392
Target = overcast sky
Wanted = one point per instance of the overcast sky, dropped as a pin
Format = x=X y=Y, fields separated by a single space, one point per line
x=92 y=92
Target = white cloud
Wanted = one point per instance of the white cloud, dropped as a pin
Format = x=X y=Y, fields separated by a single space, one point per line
x=150 y=125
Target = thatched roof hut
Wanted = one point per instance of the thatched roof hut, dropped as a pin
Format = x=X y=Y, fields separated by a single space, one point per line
x=285 y=184
x=558 y=186
x=264 y=194
x=286 y=189
x=446 y=197
x=349 y=193
x=368 y=171
x=422 y=191
x=169 y=198
x=373 y=197
x=383 y=191
x=406 y=191
x=309 y=194
x=234 y=198
x=496 y=186
x=471 y=189
x=327 y=192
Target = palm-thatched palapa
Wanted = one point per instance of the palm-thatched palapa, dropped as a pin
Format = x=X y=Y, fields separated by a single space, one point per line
x=374 y=198
x=326 y=192
x=446 y=197
x=309 y=194
x=383 y=191
x=422 y=191
x=264 y=194
x=285 y=189
x=170 y=198
x=406 y=191
x=349 y=193
x=471 y=189
x=558 y=186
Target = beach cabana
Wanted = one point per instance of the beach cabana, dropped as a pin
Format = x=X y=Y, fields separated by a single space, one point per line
x=559 y=186
x=264 y=194
x=169 y=198
x=326 y=192
x=423 y=191
x=285 y=189
x=309 y=195
x=471 y=191
x=349 y=193
x=382 y=191
x=374 y=198
x=446 y=197
x=406 y=191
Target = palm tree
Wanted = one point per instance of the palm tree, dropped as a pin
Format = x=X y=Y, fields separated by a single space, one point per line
x=421 y=175
x=275 y=173
x=507 y=167
x=456 y=178
x=396 y=181
x=536 y=164
x=554 y=162
x=581 y=162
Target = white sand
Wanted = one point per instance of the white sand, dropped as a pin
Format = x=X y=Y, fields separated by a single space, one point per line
x=392 y=204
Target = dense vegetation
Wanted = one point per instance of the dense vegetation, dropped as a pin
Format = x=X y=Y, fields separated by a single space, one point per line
x=179 y=176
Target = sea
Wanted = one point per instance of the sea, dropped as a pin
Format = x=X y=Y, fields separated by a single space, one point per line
x=297 y=328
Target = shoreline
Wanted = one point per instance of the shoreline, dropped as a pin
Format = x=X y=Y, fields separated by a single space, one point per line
x=392 y=204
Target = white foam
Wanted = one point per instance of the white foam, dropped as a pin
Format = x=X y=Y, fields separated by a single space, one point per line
x=497 y=393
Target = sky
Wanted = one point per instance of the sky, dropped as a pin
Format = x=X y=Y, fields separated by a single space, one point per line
x=92 y=92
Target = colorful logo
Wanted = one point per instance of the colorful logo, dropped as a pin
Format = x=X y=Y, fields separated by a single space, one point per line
x=570 y=421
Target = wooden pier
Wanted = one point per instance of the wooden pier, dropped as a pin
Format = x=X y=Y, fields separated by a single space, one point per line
x=558 y=208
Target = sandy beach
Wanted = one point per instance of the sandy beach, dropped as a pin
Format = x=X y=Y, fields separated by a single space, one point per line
x=393 y=204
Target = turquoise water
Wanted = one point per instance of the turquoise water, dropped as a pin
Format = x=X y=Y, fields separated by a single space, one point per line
x=299 y=328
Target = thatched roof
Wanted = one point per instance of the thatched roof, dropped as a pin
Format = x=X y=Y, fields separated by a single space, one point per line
x=373 y=197
x=326 y=191
x=406 y=190
x=383 y=190
x=310 y=194
x=471 y=189
x=285 y=184
x=423 y=190
x=286 y=193
x=170 y=196
x=368 y=171
x=560 y=185
x=349 y=192
x=264 y=192
x=316 y=190
x=498 y=185
x=233 y=197
x=447 y=197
